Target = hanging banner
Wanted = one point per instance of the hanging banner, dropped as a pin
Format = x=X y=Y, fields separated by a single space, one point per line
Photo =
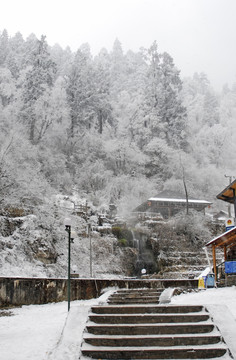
x=229 y=223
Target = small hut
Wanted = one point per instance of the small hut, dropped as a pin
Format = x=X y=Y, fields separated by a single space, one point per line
x=227 y=242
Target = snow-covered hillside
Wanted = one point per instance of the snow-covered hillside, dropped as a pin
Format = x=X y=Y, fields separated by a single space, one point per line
x=36 y=245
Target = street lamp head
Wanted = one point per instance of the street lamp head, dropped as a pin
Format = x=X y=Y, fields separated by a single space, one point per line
x=67 y=223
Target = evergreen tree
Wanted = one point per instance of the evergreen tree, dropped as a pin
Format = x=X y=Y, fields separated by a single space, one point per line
x=15 y=59
x=129 y=104
x=118 y=68
x=171 y=109
x=62 y=58
x=38 y=83
x=166 y=116
x=211 y=109
x=7 y=86
x=4 y=47
x=80 y=92
x=102 y=84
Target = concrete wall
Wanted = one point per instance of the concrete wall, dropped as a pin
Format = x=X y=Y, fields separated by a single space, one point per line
x=26 y=291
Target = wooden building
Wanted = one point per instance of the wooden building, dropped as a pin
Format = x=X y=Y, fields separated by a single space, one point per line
x=169 y=203
x=227 y=240
x=229 y=195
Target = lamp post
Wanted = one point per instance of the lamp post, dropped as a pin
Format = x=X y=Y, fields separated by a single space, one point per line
x=90 y=245
x=68 y=230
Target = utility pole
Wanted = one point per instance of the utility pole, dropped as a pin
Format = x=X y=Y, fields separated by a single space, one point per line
x=90 y=245
x=229 y=206
x=185 y=187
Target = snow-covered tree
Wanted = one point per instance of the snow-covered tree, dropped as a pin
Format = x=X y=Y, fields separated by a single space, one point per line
x=36 y=89
x=4 y=47
x=7 y=86
x=80 y=91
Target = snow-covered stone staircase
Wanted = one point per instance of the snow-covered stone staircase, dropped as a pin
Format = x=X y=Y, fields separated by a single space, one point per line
x=151 y=331
x=178 y=264
x=135 y=296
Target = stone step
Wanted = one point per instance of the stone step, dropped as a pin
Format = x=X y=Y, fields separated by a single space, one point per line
x=147 y=309
x=151 y=340
x=186 y=254
x=185 y=266
x=137 y=293
x=186 y=352
x=138 y=290
x=142 y=290
x=168 y=273
x=179 y=277
x=173 y=275
x=147 y=300
x=133 y=296
x=149 y=329
x=186 y=261
x=148 y=318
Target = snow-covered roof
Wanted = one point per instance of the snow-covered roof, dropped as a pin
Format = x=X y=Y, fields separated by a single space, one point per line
x=193 y=201
x=176 y=197
x=224 y=239
x=170 y=198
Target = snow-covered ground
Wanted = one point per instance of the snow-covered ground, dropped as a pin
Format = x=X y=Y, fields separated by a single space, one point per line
x=221 y=303
x=47 y=332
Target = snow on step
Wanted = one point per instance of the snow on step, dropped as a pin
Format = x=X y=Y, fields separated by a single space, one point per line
x=151 y=340
x=177 y=352
x=148 y=318
x=148 y=308
x=135 y=296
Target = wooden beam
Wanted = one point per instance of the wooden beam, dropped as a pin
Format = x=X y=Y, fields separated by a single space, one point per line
x=224 y=242
x=214 y=260
x=231 y=245
x=226 y=198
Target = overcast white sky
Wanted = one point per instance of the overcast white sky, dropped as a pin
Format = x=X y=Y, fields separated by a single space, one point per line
x=200 y=35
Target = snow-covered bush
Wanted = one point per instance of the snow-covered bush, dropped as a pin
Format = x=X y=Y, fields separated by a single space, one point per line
x=193 y=226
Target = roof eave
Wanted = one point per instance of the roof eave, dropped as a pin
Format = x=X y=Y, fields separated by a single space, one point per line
x=224 y=235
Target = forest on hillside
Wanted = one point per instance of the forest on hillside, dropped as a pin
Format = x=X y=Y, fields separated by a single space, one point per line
x=115 y=127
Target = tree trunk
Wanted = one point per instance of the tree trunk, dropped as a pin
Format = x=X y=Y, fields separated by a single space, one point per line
x=100 y=121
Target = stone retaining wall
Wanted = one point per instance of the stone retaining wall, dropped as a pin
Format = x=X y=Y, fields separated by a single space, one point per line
x=26 y=291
